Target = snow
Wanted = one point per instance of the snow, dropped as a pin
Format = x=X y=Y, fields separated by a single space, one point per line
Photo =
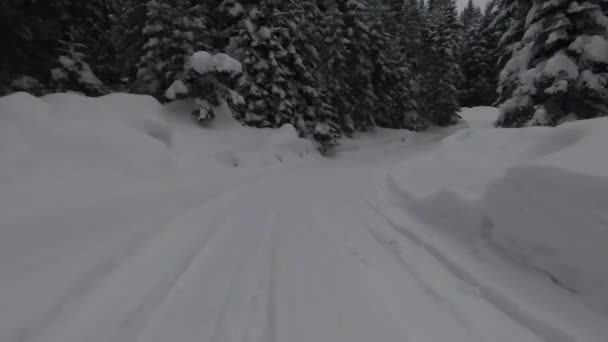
x=25 y=83
x=176 y=89
x=225 y=63
x=123 y=220
x=83 y=70
x=463 y=3
x=534 y=196
x=593 y=48
x=203 y=62
x=479 y=117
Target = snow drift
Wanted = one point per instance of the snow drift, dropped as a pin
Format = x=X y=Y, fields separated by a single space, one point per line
x=536 y=195
x=84 y=181
x=79 y=148
x=105 y=204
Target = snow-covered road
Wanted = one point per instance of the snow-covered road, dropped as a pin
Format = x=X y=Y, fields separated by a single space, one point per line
x=300 y=256
x=150 y=234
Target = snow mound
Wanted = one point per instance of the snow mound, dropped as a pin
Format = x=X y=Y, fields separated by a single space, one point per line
x=277 y=147
x=67 y=143
x=76 y=147
x=83 y=181
x=480 y=117
x=203 y=62
x=536 y=195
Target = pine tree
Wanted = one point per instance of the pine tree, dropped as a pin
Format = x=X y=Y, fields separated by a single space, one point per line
x=393 y=35
x=93 y=26
x=171 y=33
x=335 y=69
x=441 y=71
x=264 y=84
x=281 y=84
x=208 y=79
x=509 y=21
x=229 y=16
x=559 y=70
x=37 y=42
x=479 y=64
x=72 y=72
x=604 y=6
x=359 y=96
x=129 y=19
x=315 y=117
x=471 y=15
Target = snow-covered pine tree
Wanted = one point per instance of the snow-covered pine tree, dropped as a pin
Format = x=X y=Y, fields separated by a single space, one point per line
x=478 y=62
x=281 y=83
x=509 y=21
x=359 y=95
x=38 y=37
x=154 y=61
x=441 y=71
x=559 y=70
x=392 y=78
x=227 y=21
x=314 y=116
x=172 y=32
x=72 y=72
x=412 y=25
x=95 y=25
x=269 y=100
x=129 y=19
x=471 y=15
x=208 y=79
x=35 y=31
x=335 y=70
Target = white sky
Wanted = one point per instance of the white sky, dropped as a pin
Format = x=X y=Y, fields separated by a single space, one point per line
x=482 y=3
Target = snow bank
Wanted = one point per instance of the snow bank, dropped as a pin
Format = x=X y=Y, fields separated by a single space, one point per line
x=535 y=195
x=83 y=181
x=479 y=117
x=76 y=147
x=68 y=144
x=276 y=147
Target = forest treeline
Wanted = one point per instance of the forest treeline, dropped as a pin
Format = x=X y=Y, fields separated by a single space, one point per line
x=330 y=68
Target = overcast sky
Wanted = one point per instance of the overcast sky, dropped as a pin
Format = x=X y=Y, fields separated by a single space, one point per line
x=482 y=3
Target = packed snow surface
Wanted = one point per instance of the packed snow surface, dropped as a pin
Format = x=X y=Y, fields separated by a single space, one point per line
x=122 y=220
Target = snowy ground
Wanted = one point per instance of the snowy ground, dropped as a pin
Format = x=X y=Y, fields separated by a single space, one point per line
x=122 y=221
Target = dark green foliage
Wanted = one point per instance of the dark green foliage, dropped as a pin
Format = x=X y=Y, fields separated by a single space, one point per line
x=395 y=38
x=479 y=61
x=209 y=89
x=557 y=71
x=329 y=68
x=441 y=72
x=173 y=31
x=281 y=82
x=72 y=72
x=37 y=30
x=471 y=15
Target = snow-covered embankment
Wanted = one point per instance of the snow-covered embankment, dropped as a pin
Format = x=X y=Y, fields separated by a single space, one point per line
x=536 y=197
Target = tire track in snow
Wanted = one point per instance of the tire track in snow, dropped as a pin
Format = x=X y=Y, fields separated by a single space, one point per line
x=226 y=296
x=433 y=299
x=548 y=332
x=223 y=329
x=63 y=311
x=68 y=320
x=391 y=248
